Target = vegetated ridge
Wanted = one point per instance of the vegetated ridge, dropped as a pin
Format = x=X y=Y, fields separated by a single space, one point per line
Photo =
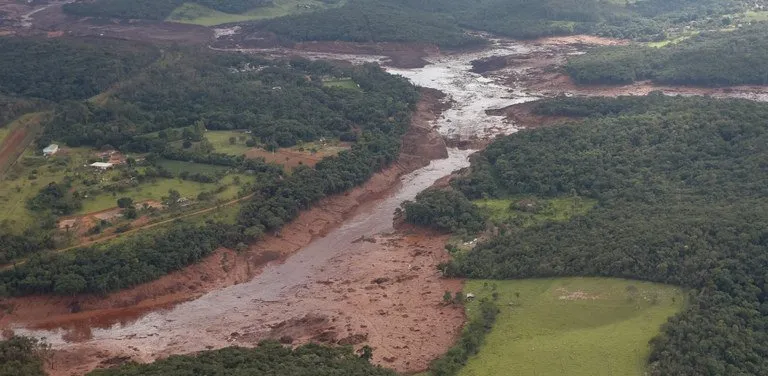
x=707 y=59
x=679 y=184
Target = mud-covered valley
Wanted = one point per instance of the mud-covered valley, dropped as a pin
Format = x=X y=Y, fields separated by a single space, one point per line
x=342 y=272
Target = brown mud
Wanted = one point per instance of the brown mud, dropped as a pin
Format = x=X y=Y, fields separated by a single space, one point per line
x=385 y=293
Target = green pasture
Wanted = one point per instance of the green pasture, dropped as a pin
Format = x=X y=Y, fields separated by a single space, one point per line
x=556 y=209
x=4 y=131
x=177 y=167
x=31 y=173
x=197 y=14
x=221 y=144
x=345 y=83
x=159 y=188
x=756 y=16
x=571 y=326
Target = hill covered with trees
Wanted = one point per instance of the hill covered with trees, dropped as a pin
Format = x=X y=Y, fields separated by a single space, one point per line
x=153 y=9
x=441 y=21
x=680 y=186
x=67 y=68
x=708 y=59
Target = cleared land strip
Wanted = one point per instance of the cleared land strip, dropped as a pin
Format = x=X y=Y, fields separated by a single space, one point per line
x=21 y=135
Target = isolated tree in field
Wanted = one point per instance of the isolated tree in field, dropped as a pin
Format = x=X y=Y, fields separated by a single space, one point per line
x=366 y=352
x=459 y=297
x=232 y=140
x=447 y=297
x=173 y=198
x=124 y=202
x=130 y=213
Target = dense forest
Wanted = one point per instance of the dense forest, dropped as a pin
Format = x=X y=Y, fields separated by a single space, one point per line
x=440 y=21
x=281 y=103
x=153 y=9
x=444 y=210
x=63 y=68
x=708 y=59
x=680 y=185
x=372 y=21
x=13 y=107
x=268 y=359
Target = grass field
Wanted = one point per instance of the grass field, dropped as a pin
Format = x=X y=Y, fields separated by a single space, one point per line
x=200 y=15
x=4 y=132
x=220 y=142
x=674 y=40
x=346 y=83
x=177 y=167
x=28 y=176
x=556 y=209
x=756 y=16
x=571 y=326
x=159 y=188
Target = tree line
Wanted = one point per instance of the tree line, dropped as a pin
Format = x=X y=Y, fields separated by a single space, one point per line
x=441 y=21
x=281 y=103
x=708 y=59
x=268 y=359
x=153 y=9
x=680 y=186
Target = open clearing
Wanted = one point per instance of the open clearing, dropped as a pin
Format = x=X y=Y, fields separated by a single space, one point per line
x=159 y=188
x=571 y=326
x=532 y=210
x=221 y=143
x=199 y=15
x=345 y=83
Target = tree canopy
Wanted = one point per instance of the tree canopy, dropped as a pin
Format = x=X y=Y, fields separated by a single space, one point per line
x=268 y=359
x=708 y=59
x=680 y=184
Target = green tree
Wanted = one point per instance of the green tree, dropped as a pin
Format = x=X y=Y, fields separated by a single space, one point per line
x=124 y=202
x=69 y=284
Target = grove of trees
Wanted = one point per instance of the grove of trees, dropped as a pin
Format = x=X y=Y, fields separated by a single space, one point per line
x=681 y=188
x=440 y=21
x=268 y=359
x=708 y=59
x=153 y=9
x=67 y=68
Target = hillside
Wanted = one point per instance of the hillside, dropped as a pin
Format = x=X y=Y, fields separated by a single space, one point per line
x=679 y=187
x=707 y=59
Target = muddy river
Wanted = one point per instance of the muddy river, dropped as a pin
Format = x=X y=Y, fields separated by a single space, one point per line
x=209 y=321
x=271 y=297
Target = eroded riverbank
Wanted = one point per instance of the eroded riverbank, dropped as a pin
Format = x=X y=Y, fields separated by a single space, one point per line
x=333 y=277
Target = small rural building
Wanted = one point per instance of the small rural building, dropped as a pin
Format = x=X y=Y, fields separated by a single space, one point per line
x=102 y=165
x=50 y=150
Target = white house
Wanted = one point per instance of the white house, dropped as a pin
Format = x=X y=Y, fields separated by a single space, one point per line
x=101 y=165
x=50 y=150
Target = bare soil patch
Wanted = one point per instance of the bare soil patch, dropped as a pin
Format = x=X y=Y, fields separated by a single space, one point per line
x=401 y=55
x=522 y=115
x=293 y=158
